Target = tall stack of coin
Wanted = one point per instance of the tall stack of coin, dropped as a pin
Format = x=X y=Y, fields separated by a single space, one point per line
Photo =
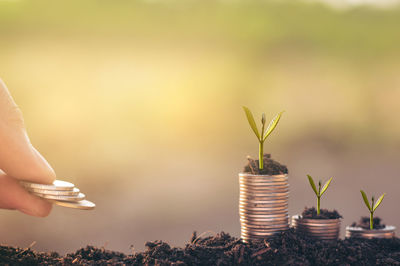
x=61 y=193
x=263 y=205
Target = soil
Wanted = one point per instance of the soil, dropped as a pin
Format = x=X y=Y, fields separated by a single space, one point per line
x=271 y=167
x=287 y=248
x=311 y=213
x=364 y=223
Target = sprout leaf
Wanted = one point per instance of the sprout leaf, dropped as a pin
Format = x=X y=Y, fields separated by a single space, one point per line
x=325 y=187
x=272 y=125
x=252 y=123
x=379 y=201
x=312 y=184
x=365 y=200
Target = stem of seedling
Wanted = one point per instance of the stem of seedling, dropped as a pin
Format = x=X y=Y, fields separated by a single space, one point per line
x=371 y=220
x=319 y=198
x=261 y=144
x=371 y=215
x=261 y=155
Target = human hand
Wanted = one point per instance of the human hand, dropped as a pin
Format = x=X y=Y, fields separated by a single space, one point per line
x=19 y=160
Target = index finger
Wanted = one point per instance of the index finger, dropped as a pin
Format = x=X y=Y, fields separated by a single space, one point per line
x=18 y=158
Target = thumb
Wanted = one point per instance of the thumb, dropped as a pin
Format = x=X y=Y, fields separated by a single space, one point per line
x=14 y=196
x=18 y=158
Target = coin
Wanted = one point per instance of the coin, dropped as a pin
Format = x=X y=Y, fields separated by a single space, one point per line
x=57 y=185
x=260 y=189
x=263 y=194
x=74 y=192
x=260 y=218
x=266 y=220
x=82 y=204
x=262 y=201
x=61 y=193
x=245 y=211
x=79 y=197
x=262 y=205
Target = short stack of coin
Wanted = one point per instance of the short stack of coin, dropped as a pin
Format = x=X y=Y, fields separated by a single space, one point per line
x=61 y=193
x=263 y=205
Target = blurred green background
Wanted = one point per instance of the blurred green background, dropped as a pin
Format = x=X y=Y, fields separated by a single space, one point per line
x=139 y=104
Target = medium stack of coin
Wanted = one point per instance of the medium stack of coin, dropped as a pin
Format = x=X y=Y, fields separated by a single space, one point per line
x=61 y=193
x=324 y=229
x=263 y=205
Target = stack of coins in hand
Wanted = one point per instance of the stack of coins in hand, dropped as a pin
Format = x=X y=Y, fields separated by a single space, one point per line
x=61 y=193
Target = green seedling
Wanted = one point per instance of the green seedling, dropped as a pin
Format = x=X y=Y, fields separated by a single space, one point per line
x=264 y=132
x=320 y=191
x=372 y=207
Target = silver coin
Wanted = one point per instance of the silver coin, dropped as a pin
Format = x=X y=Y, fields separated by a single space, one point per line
x=264 y=192
x=322 y=222
x=272 y=185
x=271 y=202
x=262 y=213
x=277 y=220
x=252 y=229
x=263 y=195
x=260 y=218
x=264 y=209
x=265 y=220
x=264 y=184
x=79 y=197
x=264 y=189
x=246 y=176
x=82 y=204
x=263 y=226
x=264 y=202
x=74 y=192
x=57 y=185
x=243 y=181
x=266 y=233
x=263 y=205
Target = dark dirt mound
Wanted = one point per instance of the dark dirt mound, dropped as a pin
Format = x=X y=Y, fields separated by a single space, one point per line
x=311 y=213
x=287 y=248
x=364 y=223
x=271 y=167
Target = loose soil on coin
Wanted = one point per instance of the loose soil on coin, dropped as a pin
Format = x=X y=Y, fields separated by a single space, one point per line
x=311 y=213
x=364 y=223
x=287 y=248
x=271 y=167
